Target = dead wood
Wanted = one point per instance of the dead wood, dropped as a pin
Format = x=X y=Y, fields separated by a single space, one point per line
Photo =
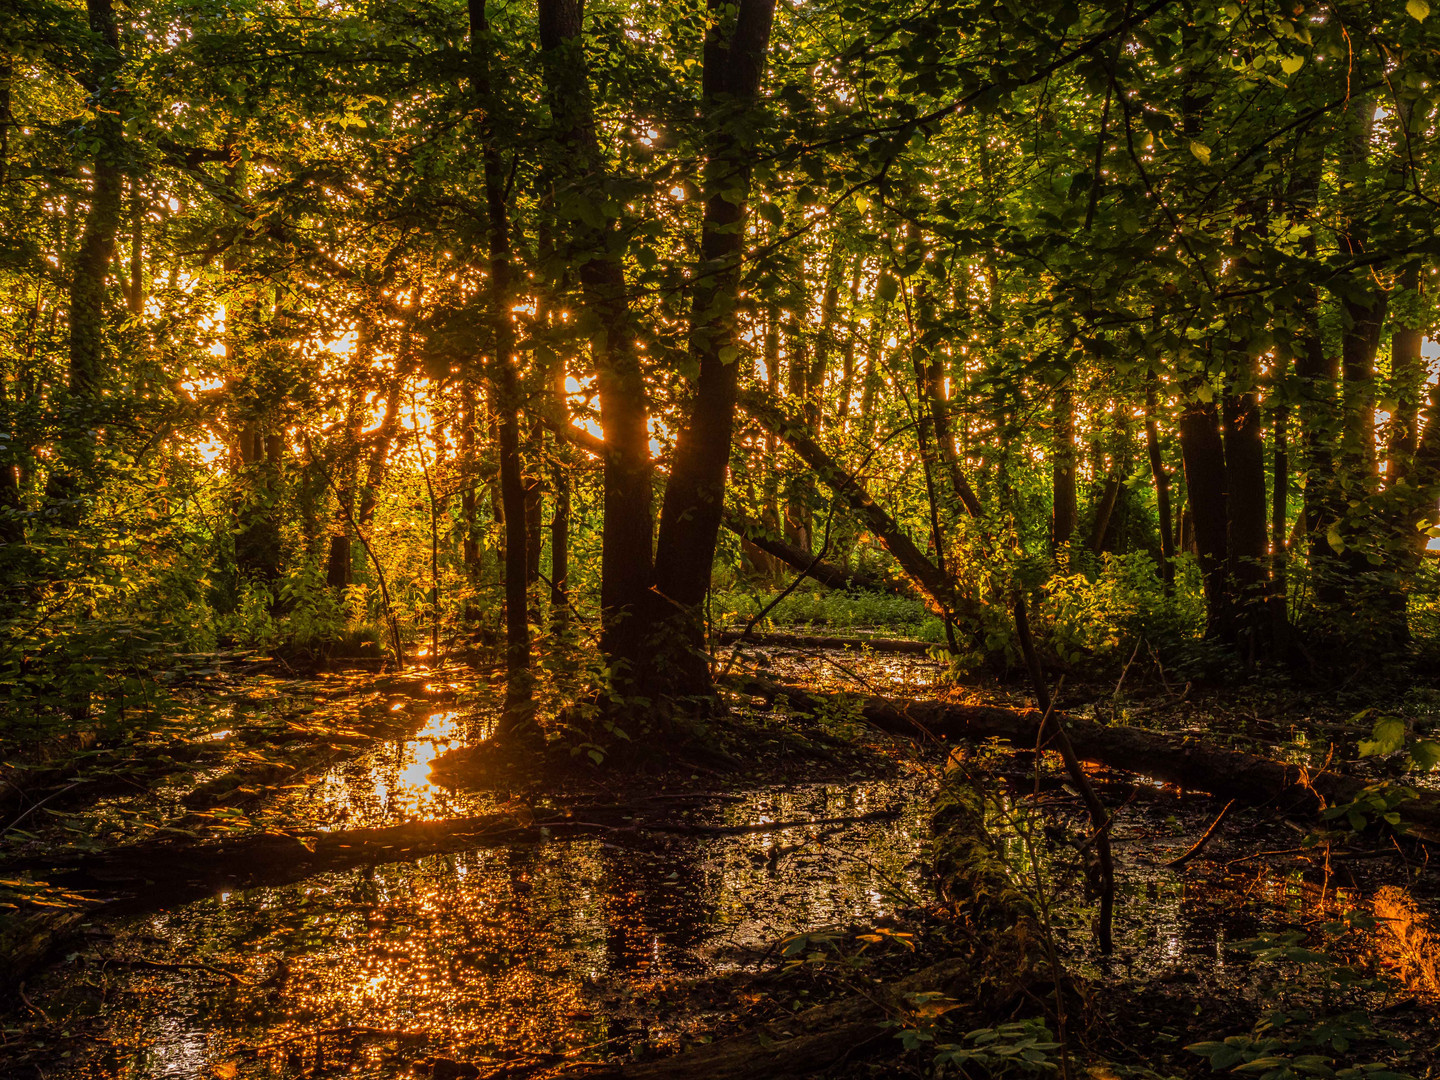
x=1250 y=779
x=812 y=641
x=823 y=572
x=149 y=875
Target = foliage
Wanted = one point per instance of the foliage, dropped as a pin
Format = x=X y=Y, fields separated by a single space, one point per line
x=1320 y=1020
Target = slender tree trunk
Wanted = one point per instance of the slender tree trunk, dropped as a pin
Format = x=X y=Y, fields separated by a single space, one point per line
x=517 y=715
x=1280 y=532
x=534 y=503
x=798 y=488
x=820 y=367
x=1161 y=478
x=1407 y=368
x=1066 y=513
x=847 y=351
x=560 y=521
x=735 y=50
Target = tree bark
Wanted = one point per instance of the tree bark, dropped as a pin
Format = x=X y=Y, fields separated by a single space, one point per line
x=1161 y=478
x=1247 y=513
x=735 y=50
x=518 y=712
x=626 y=557
x=926 y=575
x=1066 y=513
x=97 y=244
x=1204 y=457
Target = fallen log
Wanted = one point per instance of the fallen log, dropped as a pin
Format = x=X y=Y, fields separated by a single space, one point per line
x=811 y=641
x=825 y=573
x=1250 y=779
x=140 y=877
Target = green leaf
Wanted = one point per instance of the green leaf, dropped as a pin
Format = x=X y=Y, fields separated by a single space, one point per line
x=886 y=289
x=1425 y=754
x=1291 y=64
x=1387 y=737
x=1201 y=151
x=1419 y=9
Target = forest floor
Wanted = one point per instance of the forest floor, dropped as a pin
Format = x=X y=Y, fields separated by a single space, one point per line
x=274 y=884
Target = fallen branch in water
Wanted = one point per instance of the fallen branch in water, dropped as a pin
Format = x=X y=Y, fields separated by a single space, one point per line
x=1249 y=779
x=145 y=876
x=1199 y=845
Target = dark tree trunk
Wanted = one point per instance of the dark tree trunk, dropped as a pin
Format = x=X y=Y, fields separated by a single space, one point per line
x=1407 y=368
x=1161 y=478
x=1066 y=513
x=1203 y=453
x=534 y=504
x=97 y=244
x=1247 y=514
x=626 y=560
x=735 y=52
x=518 y=711
x=1317 y=377
x=1280 y=532
x=847 y=352
x=560 y=521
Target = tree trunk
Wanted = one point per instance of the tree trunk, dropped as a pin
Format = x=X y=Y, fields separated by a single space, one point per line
x=626 y=558
x=1203 y=453
x=926 y=575
x=560 y=521
x=1247 y=513
x=1407 y=369
x=735 y=51
x=847 y=352
x=1162 y=487
x=97 y=245
x=1066 y=513
x=518 y=712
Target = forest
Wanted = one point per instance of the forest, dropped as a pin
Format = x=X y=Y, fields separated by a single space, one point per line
x=726 y=539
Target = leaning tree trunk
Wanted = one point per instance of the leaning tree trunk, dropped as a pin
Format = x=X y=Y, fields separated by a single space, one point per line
x=626 y=563
x=517 y=714
x=735 y=50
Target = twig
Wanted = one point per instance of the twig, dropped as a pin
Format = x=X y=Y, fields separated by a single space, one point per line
x=1199 y=845
x=178 y=966
x=38 y=805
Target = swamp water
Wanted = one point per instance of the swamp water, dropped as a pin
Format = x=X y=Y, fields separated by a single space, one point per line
x=537 y=954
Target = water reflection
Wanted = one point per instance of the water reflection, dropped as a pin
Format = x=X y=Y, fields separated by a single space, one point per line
x=391 y=782
x=510 y=954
